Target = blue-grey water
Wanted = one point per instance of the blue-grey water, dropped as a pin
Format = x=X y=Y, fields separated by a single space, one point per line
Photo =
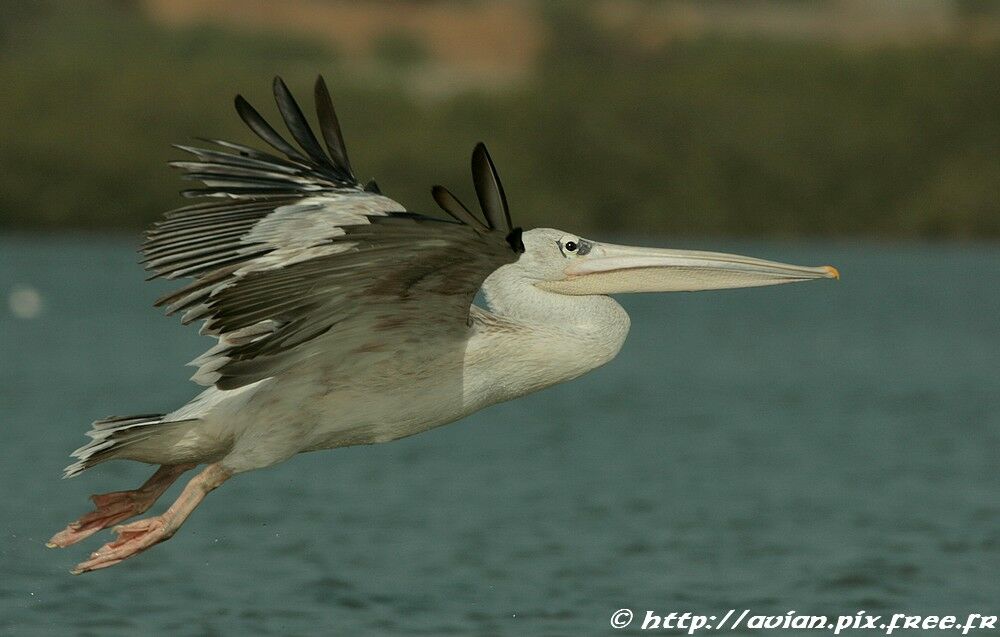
x=823 y=447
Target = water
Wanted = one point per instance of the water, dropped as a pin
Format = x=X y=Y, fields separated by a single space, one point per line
x=825 y=448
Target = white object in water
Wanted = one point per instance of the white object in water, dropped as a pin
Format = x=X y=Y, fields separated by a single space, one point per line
x=24 y=302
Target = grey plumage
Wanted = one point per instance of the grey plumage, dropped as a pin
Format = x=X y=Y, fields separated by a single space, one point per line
x=292 y=247
x=112 y=435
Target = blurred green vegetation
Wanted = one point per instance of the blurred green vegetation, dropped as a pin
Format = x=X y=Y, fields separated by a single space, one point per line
x=721 y=136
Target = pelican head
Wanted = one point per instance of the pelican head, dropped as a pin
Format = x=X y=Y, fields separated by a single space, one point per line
x=566 y=263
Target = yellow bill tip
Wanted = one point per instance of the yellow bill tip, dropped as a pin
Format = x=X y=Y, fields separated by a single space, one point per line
x=833 y=272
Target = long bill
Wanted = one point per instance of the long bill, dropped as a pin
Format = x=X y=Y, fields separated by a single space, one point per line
x=614 y=269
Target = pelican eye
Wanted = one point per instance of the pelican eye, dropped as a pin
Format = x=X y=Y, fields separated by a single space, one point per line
x=572 y=246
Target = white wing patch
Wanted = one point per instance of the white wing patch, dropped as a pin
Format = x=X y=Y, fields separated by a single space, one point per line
x=303 y=230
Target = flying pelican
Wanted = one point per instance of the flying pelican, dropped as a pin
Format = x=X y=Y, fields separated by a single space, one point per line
x=342 y=318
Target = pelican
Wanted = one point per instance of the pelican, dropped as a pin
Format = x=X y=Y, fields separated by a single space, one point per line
x=342 y=318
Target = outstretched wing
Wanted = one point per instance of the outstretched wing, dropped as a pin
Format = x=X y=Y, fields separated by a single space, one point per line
x=295 y=252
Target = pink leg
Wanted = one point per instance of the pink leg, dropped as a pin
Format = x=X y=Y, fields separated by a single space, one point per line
x=119 y=506
x=138 y=536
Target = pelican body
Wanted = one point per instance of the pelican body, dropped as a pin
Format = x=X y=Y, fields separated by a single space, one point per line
x=344 y=319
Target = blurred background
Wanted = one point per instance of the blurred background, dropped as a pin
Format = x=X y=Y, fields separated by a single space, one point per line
x=825 y=448
x=761 y=118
